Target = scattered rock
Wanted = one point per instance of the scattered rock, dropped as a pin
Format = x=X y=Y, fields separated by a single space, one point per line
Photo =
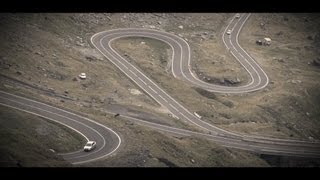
x=86 y=105
x=135 y=91
x=6 y=65
x=279 y=33
x=295 y=81
x=227 y=116
x=79 y=44
x=180 y=27
x=75 y=79
x=66 y=91
x=129 y=123
x=308 y=114
x=192 y=160
x=232 y=81
x=19 y=72
x=39 y=53
x=101 y=100
x=238 y=80
x=142 y=42
x=159 y=22
x=91 y=58
x=52 y=150
x=150 y=155
x=228 y=104
x=203 y=37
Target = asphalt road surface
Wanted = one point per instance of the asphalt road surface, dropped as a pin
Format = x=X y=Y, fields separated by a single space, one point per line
x=181 y=69
x=109 y=141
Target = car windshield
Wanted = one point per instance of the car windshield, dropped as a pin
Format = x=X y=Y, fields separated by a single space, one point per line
x=89 y=143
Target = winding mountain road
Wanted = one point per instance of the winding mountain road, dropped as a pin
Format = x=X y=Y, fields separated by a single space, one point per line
x=108 y=141
x=181 y=69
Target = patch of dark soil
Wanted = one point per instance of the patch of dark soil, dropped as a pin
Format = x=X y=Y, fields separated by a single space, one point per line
x=212 y=95
x=227 y=103
x=47 y=91
x=167 y=162
x=227 y=116
x=286 y=161
x=206 y=93
x=226 y=81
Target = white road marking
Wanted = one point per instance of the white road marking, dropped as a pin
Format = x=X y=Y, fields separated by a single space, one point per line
x=142 y=81
x=219 y=89
x=36 y=114
x=144 y=34
x=153 y=89
x=163 y=98
x=63 y=117
x=119 y=139
x=132 y=72
x=246 y=88
x=173 y=107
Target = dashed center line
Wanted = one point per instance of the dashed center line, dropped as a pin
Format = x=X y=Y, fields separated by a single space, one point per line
x=173 y=107
x=153 y=89
x=163 y=98
x=132 y=72
x=142 y=81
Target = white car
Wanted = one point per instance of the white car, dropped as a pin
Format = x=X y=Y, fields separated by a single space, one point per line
x=90 y=146
x=237 y=15
x=229 y=32
x=83 y=75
